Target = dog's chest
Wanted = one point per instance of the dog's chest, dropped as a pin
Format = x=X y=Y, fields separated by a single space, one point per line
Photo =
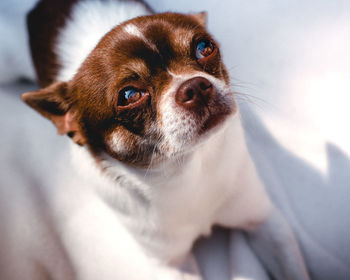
x=168 y=219
x=183 y=212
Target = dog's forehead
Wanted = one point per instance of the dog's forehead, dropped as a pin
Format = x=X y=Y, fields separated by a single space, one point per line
x=155 y=40
x=176 y=30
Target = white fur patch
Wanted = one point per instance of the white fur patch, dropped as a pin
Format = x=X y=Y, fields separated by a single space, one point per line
x=117 y=143
x=90 y=21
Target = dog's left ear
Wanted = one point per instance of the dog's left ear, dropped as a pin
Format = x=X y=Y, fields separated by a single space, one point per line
x=201 y=18
x=53 y=103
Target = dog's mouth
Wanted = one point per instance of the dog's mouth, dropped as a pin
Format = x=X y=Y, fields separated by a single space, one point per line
x=215 y=120
x=217 y=115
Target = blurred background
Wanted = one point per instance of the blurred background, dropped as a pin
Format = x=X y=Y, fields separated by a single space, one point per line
x=289 y=61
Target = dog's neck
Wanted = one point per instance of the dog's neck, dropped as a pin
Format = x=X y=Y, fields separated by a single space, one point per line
x=169 y=201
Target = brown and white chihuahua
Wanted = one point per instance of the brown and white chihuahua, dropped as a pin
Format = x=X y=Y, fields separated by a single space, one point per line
x=159 y=147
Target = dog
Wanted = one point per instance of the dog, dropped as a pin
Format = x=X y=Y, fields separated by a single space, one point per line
x=157 y=142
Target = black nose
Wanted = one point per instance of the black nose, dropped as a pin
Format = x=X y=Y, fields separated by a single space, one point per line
x=194 y=93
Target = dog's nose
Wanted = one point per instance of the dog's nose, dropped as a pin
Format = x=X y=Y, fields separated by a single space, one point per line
x=194 y=93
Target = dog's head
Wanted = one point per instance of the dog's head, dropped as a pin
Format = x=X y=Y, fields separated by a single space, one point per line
x=152 y=89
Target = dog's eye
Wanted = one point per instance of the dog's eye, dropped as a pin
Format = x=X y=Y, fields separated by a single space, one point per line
x=204 y=49
x=131 y=97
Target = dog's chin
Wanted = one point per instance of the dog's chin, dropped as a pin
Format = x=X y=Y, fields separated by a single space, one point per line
x=211 y=126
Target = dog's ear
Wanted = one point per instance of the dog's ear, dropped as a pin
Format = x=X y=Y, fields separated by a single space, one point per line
x=53 y=102
x=201 y=18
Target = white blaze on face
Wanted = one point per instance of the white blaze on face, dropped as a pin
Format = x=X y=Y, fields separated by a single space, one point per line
x=133 y=30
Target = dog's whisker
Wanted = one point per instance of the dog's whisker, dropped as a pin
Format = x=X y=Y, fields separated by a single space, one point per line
x=152 y=158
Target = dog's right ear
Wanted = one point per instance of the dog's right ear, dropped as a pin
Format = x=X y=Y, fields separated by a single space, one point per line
x=201 y=18
x=53 y=103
